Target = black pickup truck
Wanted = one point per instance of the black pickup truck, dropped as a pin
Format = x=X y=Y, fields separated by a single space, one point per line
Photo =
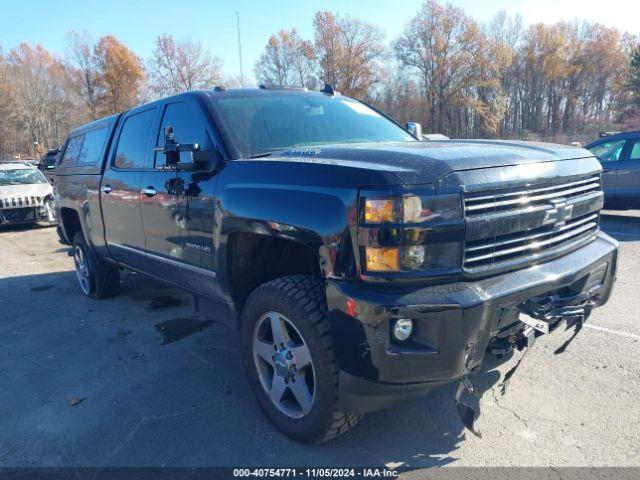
x=366 y=266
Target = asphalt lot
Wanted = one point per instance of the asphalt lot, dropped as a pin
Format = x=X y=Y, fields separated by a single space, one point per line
x=140 y=380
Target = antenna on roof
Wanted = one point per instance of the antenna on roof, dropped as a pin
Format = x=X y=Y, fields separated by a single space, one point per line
x=239 y=48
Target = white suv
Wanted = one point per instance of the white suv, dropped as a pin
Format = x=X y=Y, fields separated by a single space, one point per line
x=25 y=195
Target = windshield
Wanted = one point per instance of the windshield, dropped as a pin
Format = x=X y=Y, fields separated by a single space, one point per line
x=260 y=124
x=22 y=176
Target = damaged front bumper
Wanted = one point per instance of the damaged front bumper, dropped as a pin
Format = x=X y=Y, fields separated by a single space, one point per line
x=44 y=213
x=454 y=324
x=26 y=215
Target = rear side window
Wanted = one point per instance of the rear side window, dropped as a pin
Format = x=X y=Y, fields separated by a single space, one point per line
x=92 y=147
x=132 y=144
x=72 y=151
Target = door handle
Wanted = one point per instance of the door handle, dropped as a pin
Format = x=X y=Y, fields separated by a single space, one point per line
x=106 y=189
x=606 y=170
x=149 y=191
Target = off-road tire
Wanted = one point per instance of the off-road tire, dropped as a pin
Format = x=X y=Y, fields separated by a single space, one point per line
x=302 y=300
x=104 y=276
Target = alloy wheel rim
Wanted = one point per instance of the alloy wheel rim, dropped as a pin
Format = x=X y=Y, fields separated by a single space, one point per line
x=283 y=362
x=82 y=270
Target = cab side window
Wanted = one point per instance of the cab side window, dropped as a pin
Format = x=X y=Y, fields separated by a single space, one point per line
x=190 y=126
x=608 y=151
x=132 y=144
x=92 y=146
x=72 y=152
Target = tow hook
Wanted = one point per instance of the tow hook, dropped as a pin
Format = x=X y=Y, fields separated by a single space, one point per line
x=539 y=323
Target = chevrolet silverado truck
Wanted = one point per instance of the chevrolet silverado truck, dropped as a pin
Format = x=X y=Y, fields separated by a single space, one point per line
x=365 y=266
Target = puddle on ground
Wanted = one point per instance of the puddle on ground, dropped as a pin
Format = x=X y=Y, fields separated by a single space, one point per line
x=179 y=328
x=159 y=303
x=41 y=288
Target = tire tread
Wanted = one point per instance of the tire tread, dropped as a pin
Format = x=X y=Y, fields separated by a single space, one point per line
x=308 y=294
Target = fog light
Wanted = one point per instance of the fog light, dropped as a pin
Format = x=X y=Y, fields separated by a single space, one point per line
x=402 y=329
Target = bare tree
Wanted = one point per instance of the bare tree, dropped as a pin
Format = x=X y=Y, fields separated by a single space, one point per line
x=287 y=60
x=400 y=96
x=36 y=83
x=84 y=76
x=6 y=144
x=350 y=53
x=180 y=66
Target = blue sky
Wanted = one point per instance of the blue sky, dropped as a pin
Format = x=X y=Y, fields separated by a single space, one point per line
x=213 y=23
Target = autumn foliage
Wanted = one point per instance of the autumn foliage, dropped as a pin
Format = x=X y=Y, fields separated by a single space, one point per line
x=502 y=79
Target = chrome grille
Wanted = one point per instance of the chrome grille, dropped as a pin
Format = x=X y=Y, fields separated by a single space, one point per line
x=18 y=202
x=510 y=228
x=483 y=204
x=531 y=242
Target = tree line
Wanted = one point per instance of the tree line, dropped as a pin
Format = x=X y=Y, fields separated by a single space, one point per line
x=500 y=79
x=42 y=96
x=463 y=78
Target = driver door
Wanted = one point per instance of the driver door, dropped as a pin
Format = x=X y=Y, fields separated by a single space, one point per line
x=177 y=206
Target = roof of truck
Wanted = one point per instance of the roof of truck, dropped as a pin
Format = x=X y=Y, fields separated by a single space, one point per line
x=265 y=90
x=96 y=123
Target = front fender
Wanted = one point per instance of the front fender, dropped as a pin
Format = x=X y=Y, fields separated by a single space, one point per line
x=317 y=218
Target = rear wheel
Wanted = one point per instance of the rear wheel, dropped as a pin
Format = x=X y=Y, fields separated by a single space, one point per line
x=289 y=359
x=96 y=277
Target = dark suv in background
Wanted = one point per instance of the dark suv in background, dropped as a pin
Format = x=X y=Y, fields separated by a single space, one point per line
x=619 y=155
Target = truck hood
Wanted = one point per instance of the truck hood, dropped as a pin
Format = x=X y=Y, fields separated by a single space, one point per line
x=426 y=162
x=36 y=190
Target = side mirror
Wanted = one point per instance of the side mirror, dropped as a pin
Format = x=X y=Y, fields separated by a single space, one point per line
x=415 y=129
x=172 y=150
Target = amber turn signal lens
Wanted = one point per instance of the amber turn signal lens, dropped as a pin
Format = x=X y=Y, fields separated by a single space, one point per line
x=382 y=259
x=379 y=211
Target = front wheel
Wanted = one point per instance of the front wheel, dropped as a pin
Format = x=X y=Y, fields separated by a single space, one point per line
x=289 y=359
x=96 y=277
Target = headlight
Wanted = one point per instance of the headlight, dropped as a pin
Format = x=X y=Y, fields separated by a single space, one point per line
x=412 y=209
x=410 y=233
x=413 y=258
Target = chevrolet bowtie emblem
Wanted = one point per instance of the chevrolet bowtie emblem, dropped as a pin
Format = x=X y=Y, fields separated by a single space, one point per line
x=559 y=214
